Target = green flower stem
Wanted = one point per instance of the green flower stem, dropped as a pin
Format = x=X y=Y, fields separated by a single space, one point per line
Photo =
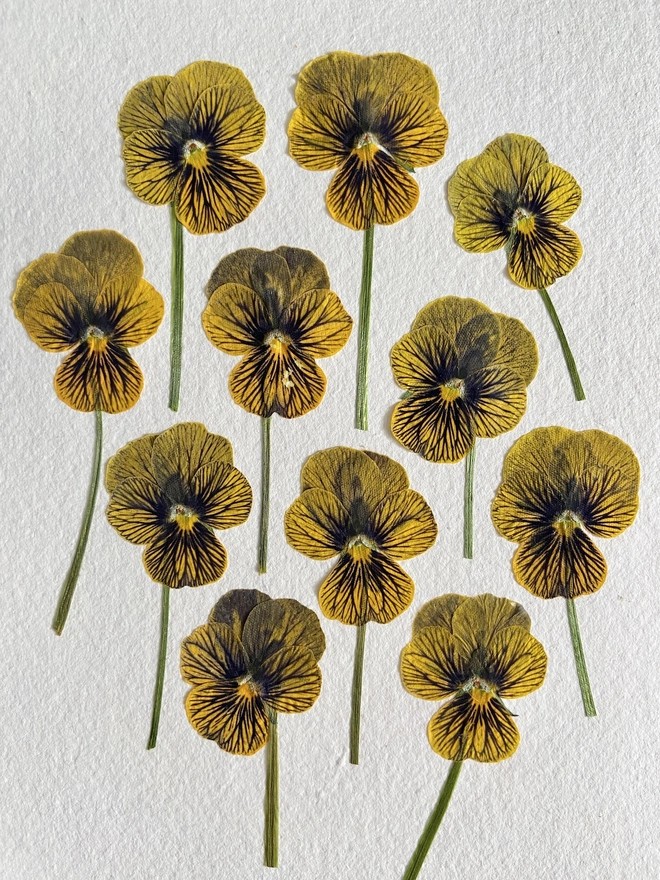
x=468 y=503
x=272 y=831
x=265 y=494
x=176 y=310
x=160 y=674
x=361 y=408
x=433 y=823
x=568 y=355
x=72 y=576
x=580 y=662
x=356 y=696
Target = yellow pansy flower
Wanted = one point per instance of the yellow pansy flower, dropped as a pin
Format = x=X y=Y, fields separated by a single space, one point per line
x=170 y=492
x=256 y=657
x=275 y=310
x=90 y=300
x=473 y=652
x=359 y=506
x=558 y=488
x=184 y=139
x=465 y=372
x=511 y=196
x=374 y=119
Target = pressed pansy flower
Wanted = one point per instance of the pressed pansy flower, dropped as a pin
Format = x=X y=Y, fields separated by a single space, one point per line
x=473 y=653
x=373 y=119
x=465 y=372
x=184 y=139
x=559 y=488
x=359 y=506
x=170 y=492
x=512 y=197
x=275 y=310
x=90 y=300
x=256 y=657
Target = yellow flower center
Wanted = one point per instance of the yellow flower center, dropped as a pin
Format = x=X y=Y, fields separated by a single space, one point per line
x=453 y=389
x=277 y=341
x=194 y=153
x=366 y=147
x=95 y=338
x=183 y=516
x=480 y=690
x=360 y=547
x=523 y=221
x=566 y=523
x=247 y=688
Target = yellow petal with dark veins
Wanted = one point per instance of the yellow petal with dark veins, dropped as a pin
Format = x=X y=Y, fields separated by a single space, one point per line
x=465 y=729
x=185 y=558
x=316 y=524
x=144 y=106
x=130 y=462
x=431 y=665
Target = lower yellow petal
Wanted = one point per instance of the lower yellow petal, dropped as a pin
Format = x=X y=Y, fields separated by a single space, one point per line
x=289 y=680
x=464 y=729
x=438 y=429
x=537 y=259
x=550 y=564
x=236 y=722
x=108 y=379
x=315 y=524
x=431 y=666
x=185 y=558
x=403 y=525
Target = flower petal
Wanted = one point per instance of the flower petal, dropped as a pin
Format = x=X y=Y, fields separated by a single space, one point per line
x=108 y=379
x=54 y=269
x=610 y=484
x=189 y=84
x=541 y=450
x=281 y=623
x=350 y=474
x=393 y=475
x=431 y=665
x=437 y=612
x=518 y=662
x=315 y=524
x=337 y=75
x=235 y=268
x=133 y=311
x=234 y=607
x=403 y=525
x=476 y=343
x=183 y=449
x=53 y=317
x=154 y=163
x=538 y=258
x=413 y=129
x=238 y=724
x=229 y=121
x=517 y=351
x=552 y=192
x=365 y=587
x=322 y=134
x=463 y=729
x=132 y=461
x=363 y=193
x=496 y=400
x=318 y=323
x=289 y=680
x=144 y=106
x=550 y=564
x=185 y=558
x=138 y=511
x=224 y=493
x=482 y=224
x=449 y=314
x=213 y=653
x=235 y=319
x=423 y=359
x=306 y=270
x=270 y=277
x=401 y=73
x=523 y=503
x=216 y=197
x=440 y=430
x=105 y=254
x=284 y=381
x=478 y=619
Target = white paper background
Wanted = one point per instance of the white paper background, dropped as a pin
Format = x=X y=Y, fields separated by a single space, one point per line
x=81 y=797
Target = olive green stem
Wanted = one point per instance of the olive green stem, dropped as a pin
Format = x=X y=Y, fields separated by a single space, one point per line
x=433 y=823
x=74 y=570
x=361 y=406
x=160 y=674
x=271 y=835
x=265 y=494
x=580 y=662
x=176 y=310
x=568 y=354
x=468 y=503
x=356 y=696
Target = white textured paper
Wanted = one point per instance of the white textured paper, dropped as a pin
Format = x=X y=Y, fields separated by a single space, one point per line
x=81 y=797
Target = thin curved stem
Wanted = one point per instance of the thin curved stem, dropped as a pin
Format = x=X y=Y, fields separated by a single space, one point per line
x=433 y=823
x=69 y=587
x=272 y=829
x=265 y=495
x=580 y=662
x=176 y=310
x=356 y=694
x=468 y=503
x=160 y=674
x=568 y=354
x=361 y=405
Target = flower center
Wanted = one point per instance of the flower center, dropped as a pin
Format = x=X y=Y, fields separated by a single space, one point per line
x=480 y=690
x=566 y=523
x=247 y=687
x=522 y=221
x=183 y=516
x=194 y=153
x=277 y=341
x=360 y=547
x=366 y=146
x=452 y=389
x=95 y=338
